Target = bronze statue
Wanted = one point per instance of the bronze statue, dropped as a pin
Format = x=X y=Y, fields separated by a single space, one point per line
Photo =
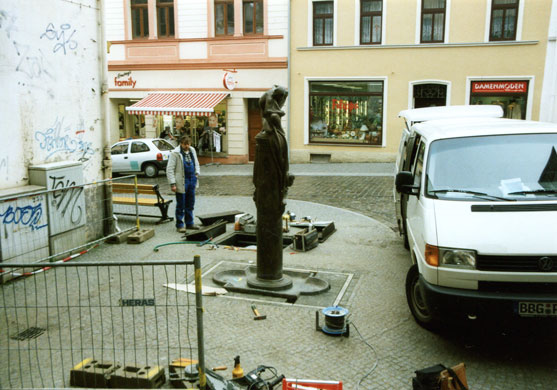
x=271 y=180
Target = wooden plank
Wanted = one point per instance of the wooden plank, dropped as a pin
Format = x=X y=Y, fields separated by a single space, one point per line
x=131 y=201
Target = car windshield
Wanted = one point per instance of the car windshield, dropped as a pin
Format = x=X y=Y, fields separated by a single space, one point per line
x=493 y=168
x=162 y=144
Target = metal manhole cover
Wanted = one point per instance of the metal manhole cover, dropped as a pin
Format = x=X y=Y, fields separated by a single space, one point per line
x=29 y=333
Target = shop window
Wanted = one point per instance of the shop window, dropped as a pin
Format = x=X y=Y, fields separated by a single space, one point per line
x=433 y=21
x=512 y=96
x=323 y=23
x=503 y=20
x=371 y=14
x=121 y=120
x=140 y=19
x=165 y=18
x=253 y=17
x=208 y=134
x=429 y=95
x=224 y=17
x=346 y=112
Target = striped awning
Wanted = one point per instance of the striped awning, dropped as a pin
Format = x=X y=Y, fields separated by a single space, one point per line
x=186 y=103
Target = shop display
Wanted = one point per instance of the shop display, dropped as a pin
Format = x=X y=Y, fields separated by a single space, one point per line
x=346 y=112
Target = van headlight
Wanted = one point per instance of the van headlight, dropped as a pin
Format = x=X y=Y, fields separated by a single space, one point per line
x=461 y=258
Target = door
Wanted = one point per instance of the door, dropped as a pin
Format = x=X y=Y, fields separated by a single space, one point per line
x=119 y=156
x=255 y=124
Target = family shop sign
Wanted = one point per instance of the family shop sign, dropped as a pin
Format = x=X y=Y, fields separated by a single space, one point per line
x=499 y=87
x=121 y=81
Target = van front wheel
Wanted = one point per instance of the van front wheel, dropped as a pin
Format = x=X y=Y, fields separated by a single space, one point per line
x=416 y=300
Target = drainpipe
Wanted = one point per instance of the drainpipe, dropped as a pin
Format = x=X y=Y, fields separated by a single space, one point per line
x=106 y=163
x=289 y=124
x=108 y=225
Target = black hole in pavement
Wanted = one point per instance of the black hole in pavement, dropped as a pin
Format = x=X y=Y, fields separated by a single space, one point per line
x=29 y=333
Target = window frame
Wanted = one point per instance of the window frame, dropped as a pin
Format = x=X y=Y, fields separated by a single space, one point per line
x=142 y=9
x=371 y=14
x=256 y=4
x=433 y=11
x=225 y=4
x=169 y=20
x=324 y=17
x=505 y=8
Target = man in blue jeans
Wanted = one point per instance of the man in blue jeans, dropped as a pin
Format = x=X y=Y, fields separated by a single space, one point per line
x=182 y=172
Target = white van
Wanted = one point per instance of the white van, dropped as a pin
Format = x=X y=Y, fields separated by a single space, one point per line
x=476 y=201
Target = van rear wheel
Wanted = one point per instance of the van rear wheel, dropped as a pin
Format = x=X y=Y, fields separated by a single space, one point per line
x=416 y=300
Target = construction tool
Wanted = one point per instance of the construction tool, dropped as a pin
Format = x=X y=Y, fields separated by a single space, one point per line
x=238 y=371
x=258 y=316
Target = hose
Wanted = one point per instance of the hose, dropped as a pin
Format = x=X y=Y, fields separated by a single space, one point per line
x=200 y=243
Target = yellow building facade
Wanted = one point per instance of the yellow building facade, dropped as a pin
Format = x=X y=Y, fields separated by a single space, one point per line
x=355 y=64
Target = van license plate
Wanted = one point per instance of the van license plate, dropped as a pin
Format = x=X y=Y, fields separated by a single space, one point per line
x=537 y=309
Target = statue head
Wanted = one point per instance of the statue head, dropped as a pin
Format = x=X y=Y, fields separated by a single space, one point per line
x=279 y=94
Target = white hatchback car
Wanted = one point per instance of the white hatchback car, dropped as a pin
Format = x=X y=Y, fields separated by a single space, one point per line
x=476 y=200
x=147 y=155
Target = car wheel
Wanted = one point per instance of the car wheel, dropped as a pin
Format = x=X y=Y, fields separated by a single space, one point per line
x=416 y=300
x=150 y=170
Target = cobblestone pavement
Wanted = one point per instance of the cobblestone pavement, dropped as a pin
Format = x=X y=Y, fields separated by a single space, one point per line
x=370 y=196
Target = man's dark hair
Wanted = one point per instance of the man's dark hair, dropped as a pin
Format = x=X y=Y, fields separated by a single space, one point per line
x=185 y=139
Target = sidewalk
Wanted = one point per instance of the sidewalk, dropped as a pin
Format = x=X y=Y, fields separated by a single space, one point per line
x=328 y=169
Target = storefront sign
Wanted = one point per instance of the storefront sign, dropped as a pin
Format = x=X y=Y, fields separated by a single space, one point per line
x=344 y=105
x=499 y=87
x=228 y=81
x=124 y=80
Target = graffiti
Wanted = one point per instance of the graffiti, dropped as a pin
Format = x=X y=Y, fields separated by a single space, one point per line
x=59 y=139
x=30 y=62
x=63 y=42
x=26 y=216
x=4 y=165
x=67 y=198
x=7 y=23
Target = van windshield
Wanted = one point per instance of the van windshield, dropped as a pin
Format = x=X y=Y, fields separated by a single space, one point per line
x=491 y=168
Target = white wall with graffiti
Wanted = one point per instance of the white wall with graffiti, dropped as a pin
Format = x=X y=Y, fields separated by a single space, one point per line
x=50 y=73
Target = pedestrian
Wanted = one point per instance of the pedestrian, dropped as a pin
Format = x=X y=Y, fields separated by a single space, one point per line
x=182 y=172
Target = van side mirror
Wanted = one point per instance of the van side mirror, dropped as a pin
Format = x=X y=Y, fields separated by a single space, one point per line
x=404 y=183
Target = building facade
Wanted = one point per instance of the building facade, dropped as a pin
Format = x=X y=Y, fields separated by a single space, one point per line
x=355 y=64
x=195 y=67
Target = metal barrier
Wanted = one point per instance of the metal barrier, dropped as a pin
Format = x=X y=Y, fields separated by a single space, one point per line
x=52 y=224
x=118 y=314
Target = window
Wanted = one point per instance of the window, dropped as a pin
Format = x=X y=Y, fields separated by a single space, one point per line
x=140 y=19
x=346 y=112
x=253 y=17
x=120 y=148
x=165 y=18
x=138 y=147
x=503 y=20
x=370 y=21
x=433 y=21
x=323 y=23
x=224 y=17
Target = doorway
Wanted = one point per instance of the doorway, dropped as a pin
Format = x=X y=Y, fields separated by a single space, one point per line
x=429 y=95
x=254 y=125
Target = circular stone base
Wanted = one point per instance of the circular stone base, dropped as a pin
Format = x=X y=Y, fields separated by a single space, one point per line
x=270 y=284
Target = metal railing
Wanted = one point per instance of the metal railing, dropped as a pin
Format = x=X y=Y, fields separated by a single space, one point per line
x=119 y=314
x=55 y=224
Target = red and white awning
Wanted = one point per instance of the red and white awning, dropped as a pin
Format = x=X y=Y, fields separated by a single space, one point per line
x=187 y=103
